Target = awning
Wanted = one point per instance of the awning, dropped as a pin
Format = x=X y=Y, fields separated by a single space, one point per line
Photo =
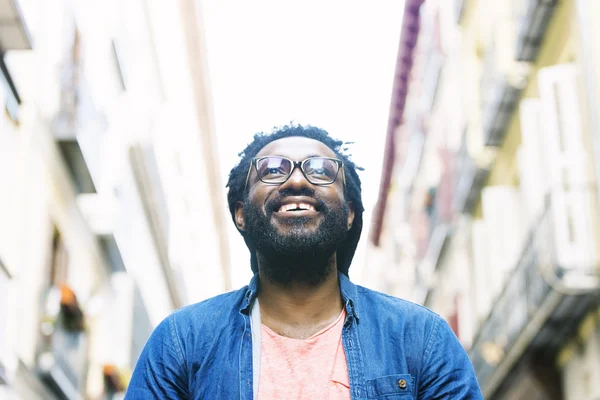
x=404 y=62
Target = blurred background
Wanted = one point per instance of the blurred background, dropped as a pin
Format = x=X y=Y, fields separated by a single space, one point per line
x=476 y=121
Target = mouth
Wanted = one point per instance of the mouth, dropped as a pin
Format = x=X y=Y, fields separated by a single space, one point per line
x=296 y=207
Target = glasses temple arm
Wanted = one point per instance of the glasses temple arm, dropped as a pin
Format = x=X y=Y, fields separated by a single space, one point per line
x=248 y=175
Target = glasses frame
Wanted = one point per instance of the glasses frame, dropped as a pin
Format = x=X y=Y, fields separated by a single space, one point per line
x=296 y=164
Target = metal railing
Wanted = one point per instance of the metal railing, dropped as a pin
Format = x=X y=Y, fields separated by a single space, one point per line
x=531 y=296
x=469 y=179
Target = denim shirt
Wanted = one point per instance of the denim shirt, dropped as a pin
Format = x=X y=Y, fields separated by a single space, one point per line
x=395 y=350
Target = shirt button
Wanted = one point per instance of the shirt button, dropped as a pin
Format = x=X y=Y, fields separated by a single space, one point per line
x=402 y=384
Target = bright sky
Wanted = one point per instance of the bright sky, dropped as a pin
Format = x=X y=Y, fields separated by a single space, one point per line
x=323 y=63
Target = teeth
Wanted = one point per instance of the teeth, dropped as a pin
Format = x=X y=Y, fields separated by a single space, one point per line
x=294 y=206
x=287 y=207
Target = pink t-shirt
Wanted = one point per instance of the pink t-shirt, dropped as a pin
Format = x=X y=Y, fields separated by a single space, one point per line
x=309 y=369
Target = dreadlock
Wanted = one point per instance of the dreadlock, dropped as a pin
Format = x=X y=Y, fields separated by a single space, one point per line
x=237 y=179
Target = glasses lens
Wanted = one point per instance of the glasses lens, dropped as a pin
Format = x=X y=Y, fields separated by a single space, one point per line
x=321 y=170
x=273 y=169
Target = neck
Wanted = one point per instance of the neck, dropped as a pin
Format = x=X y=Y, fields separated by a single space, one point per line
x=300 y=309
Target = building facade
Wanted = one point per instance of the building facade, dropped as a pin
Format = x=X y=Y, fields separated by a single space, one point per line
x=488 y=213
x=112 y=213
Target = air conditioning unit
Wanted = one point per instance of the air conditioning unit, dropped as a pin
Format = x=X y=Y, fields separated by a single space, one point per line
x=480 y=266
x=531 y=160
x=504 y=232
x=574 y=211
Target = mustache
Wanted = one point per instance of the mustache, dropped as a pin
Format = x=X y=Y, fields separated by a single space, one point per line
x=273 y=204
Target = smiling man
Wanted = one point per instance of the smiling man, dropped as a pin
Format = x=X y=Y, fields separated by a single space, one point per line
x=301 y=329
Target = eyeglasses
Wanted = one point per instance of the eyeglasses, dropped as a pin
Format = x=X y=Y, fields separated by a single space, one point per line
x=275 y=170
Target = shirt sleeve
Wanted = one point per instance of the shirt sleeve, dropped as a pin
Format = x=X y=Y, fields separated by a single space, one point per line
x=447 y=371
x=159 y=372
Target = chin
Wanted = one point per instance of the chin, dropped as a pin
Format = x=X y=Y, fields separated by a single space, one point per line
x=295 y=234
x=308 y=223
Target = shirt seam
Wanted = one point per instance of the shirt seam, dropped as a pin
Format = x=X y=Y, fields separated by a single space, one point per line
x=402 y=301
x=430 y=341
x=175 y=338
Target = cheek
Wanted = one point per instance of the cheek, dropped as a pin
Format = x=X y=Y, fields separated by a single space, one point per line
x=257 y=197
x=339 y=192
x=334 y=197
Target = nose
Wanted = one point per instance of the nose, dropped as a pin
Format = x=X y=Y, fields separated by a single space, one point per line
x=296 y=181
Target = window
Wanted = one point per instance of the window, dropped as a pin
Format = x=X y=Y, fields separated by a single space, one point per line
x=62 y=348
x=13 y=36
x=59 y=260
x=11 y=97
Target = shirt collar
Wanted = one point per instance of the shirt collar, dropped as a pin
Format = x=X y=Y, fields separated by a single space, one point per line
x=250 y=296
x=348 y=289
x=349 y=295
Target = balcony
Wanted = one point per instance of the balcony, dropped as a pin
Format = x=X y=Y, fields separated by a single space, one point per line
x=99 y=213
x=532 y=27
x=539 y=308
x=431 y=78
x=78 y=126
x=502 y=100
x=470 y=179
x=433 y=60
x=426 y=270
x=502 y=83
x=65 y=134
x=75 y=162
x=439 y=210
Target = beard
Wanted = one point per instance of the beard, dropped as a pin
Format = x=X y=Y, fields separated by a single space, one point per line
x=301 y=254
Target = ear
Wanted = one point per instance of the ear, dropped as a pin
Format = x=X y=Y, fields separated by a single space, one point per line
x=240 y=222
x=350 y=214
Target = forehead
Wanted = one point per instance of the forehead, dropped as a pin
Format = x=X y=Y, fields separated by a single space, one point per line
x=297 y=148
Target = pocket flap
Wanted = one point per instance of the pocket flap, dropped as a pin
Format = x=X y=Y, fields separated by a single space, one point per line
x=391 y=384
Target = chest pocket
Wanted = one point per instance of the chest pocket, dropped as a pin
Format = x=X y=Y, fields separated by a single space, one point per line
x=391 y=387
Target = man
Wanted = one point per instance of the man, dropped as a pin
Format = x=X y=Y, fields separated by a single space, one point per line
x=301 y=329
